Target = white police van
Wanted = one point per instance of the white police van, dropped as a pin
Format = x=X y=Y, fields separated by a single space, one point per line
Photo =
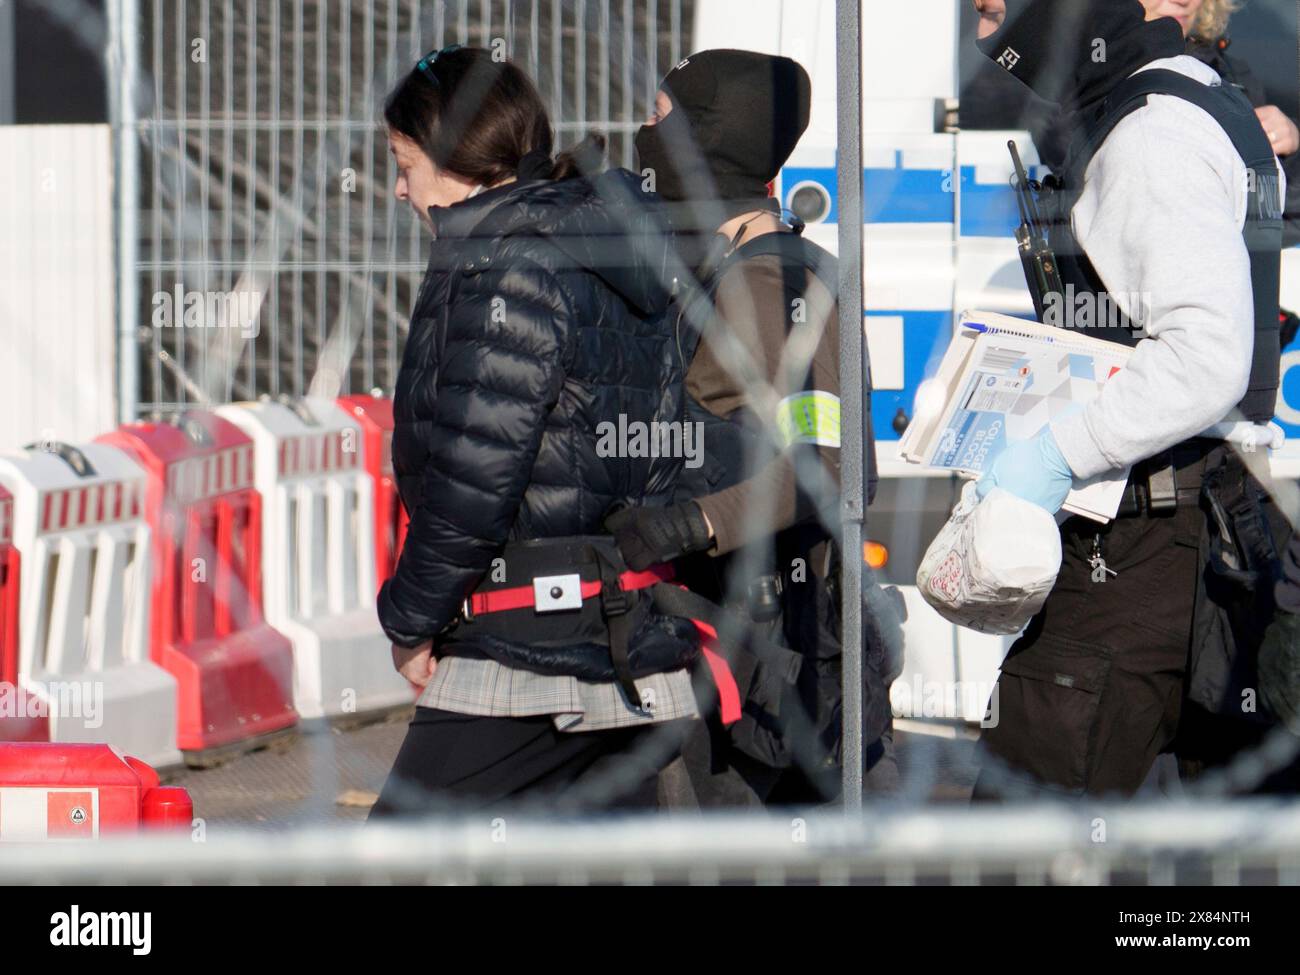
x=940 y=214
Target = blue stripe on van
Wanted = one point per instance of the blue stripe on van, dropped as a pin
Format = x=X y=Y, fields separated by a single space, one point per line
x=894 y=195
x=901 y=195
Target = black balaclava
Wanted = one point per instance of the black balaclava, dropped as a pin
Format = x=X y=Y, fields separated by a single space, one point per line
x=1074 y=52
x=736 y=118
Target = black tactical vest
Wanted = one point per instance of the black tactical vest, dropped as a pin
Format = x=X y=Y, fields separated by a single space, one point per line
x=1262 y=231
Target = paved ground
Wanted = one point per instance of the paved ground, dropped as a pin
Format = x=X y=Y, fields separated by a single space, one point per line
x=331 y=776
x=936 y=767
x=325 y=776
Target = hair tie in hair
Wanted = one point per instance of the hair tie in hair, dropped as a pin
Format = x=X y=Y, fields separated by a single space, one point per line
x=535 y=165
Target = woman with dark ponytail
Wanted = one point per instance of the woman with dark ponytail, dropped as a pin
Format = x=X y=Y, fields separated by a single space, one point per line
x=538 y=331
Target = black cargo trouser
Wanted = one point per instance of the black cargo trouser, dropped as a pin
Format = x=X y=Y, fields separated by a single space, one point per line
x=1093 y=691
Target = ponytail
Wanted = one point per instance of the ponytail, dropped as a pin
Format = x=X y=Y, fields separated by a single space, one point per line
x=583 y=159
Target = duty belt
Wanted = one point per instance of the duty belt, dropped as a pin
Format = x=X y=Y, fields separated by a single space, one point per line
x=1170 y=480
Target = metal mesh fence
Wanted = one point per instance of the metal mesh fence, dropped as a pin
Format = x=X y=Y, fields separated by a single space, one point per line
x=262 y=171
x=1247 y=843
x=264 y=183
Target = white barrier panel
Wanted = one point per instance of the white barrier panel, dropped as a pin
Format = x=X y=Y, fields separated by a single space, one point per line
x=31 y=815
x=318 y=551
x=84 y=610
x=56 y=265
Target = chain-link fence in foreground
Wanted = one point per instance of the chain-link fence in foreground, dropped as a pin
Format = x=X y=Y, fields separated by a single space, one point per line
x=1238 y=844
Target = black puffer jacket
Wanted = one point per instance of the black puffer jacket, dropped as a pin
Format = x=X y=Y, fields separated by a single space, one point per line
x=541 y=315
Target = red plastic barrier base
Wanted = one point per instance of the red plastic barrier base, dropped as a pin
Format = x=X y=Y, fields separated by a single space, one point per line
x=232 y=688
x=62 y=791
x=234 y=673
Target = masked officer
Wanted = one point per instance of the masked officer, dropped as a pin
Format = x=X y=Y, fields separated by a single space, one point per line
x=758 y=331
x=1170 y=201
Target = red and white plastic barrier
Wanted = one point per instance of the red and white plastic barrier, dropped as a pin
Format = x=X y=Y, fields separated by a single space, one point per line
x=234 y=671
x=80 y=792
x=391 y=520
x=22 y=717
x=83 y=628
x=319 y=554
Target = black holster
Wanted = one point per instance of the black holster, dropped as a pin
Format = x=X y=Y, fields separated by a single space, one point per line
x=1239 y=550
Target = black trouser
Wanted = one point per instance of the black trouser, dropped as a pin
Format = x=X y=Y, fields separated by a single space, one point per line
x=453 y=762
x=1095 y=689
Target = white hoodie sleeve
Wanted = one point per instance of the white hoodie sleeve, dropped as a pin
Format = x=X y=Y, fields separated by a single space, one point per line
x=1160 y=218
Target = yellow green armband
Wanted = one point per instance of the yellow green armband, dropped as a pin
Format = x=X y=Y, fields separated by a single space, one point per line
x=811 y=417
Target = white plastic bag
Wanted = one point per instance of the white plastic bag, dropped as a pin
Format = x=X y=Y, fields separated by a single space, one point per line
x=993 y=563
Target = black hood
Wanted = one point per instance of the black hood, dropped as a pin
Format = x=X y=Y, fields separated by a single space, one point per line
x=736 y=117
x=1074 y=52
x=606 y=225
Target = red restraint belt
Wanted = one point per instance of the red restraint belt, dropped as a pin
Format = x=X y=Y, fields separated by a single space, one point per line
x=523 y=597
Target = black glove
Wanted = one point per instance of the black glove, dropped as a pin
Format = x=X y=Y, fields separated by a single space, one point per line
x=1279 y=669
x=649 y=535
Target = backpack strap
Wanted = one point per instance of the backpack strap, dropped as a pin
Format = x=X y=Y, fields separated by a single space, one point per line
x=795 y=251
x=797 y=255
x=1225 y=104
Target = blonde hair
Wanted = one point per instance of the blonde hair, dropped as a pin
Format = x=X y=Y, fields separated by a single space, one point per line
x=1212 y=19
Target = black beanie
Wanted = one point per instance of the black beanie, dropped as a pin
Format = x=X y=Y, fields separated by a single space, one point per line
x=736 y=117
x=1074 y=52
